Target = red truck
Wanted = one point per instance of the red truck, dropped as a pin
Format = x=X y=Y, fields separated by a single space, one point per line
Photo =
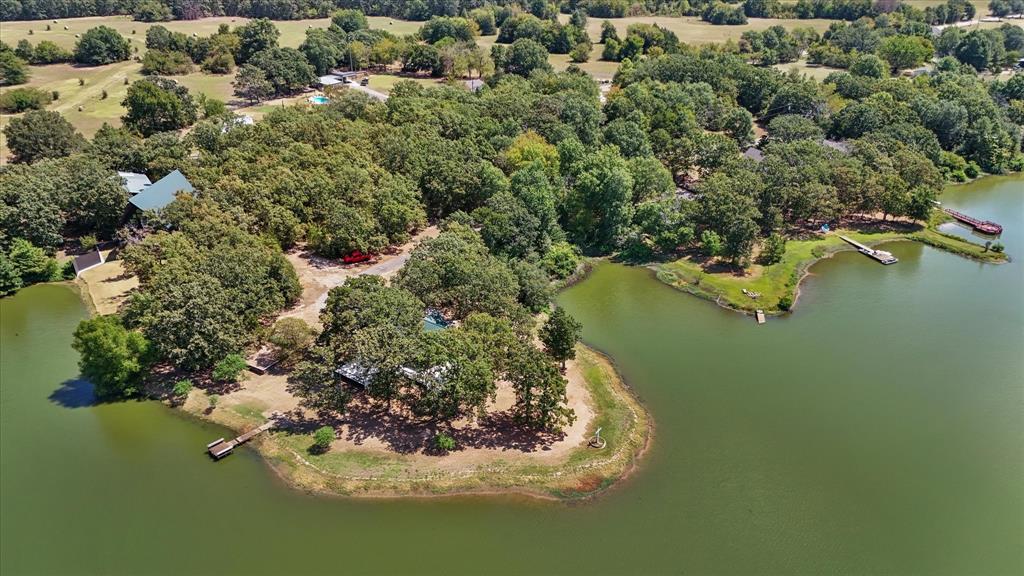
x=356 y=257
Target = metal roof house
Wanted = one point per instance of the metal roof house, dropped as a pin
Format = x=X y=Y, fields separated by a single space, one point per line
x=134 y=182
x=162 y=192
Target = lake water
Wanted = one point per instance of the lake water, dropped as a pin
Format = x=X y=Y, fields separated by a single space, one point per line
x=878 y=429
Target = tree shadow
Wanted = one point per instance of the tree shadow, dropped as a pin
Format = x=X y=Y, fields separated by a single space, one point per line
x=75 y=393
x=403 y=432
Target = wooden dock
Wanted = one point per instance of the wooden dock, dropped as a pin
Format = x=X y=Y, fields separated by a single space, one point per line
x=760 y=316
x=983 y=226
x=880 y=255
x=220 y=448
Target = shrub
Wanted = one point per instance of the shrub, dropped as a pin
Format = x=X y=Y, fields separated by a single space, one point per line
x=229 y=369
x=21 y=99
x=998 y=247
x=561 y=260
x=166 y=62
x=88 y=242
x=322 y=439
x=182 y=388
x=444 y=442
x=818 y=251
x=785 y=303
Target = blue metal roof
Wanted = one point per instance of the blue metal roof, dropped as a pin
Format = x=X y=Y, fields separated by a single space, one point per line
x=134 y=183
x=162 y=192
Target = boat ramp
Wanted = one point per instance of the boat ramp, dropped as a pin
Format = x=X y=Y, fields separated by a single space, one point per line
x=880 y=255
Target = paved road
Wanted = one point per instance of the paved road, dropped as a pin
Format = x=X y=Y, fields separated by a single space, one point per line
x=369 y=91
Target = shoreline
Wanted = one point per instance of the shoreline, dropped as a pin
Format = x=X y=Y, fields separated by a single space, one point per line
x=582 y=474
x=725 y=290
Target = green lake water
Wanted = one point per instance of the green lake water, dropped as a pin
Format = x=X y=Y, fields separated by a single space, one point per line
x=877 y=430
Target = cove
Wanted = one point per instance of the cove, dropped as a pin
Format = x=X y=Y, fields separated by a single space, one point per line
x=878 y=429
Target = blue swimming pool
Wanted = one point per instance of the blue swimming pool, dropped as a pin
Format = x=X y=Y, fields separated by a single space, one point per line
x=319 y=99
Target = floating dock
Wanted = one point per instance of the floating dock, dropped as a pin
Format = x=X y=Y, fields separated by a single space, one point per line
x=880 y=255
x=983 y=226
x=220 y=448
x=760 y=316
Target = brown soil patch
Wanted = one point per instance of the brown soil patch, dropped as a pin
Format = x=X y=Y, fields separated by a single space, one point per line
x=107 y=286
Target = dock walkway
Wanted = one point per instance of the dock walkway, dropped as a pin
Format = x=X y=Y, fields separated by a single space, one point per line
x=880 y=255
x=983 y=226
x=220 y=448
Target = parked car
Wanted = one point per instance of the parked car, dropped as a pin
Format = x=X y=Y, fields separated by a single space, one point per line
x=364 y=82
x=356 y=257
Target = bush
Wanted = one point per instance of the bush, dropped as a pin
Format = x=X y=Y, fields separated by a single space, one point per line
x=166 y=63
x=998 y=247
x=182 y=388
x=818 y=251
x=88 y=242
x=785 y=303
x=229 y=369
x=22 y=99
x=580 y=53
x=444 y=442
x=561 y=260
x=322 y=439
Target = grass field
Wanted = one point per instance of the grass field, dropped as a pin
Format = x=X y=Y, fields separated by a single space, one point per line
x=385 y=82
x=292 y=31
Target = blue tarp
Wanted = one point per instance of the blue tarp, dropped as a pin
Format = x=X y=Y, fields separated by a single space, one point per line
x=162 y=192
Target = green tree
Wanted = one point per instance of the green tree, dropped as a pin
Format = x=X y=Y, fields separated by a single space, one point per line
x=321 y=49
x=902 y=52
x=455 y=272
x=524 y=56
x=41 y=134
x=254 y=37
x=10 y=280
x=102 y=45
x=349 y=20
x=251 y=83
x=290 y=337
x=112 y=357
x=158 y=105
x=31 y=263
x=13 y=70
x=560 y=334
x=286 y=69
x=540 y=391
x=773 y=249
x=229 y=369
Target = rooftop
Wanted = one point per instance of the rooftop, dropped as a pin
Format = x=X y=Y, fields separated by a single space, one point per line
x=133 y=182
x=162 y=192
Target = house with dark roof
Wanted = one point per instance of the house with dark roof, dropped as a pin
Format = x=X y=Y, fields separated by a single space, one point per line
x=162 y=192
x=86 y=261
